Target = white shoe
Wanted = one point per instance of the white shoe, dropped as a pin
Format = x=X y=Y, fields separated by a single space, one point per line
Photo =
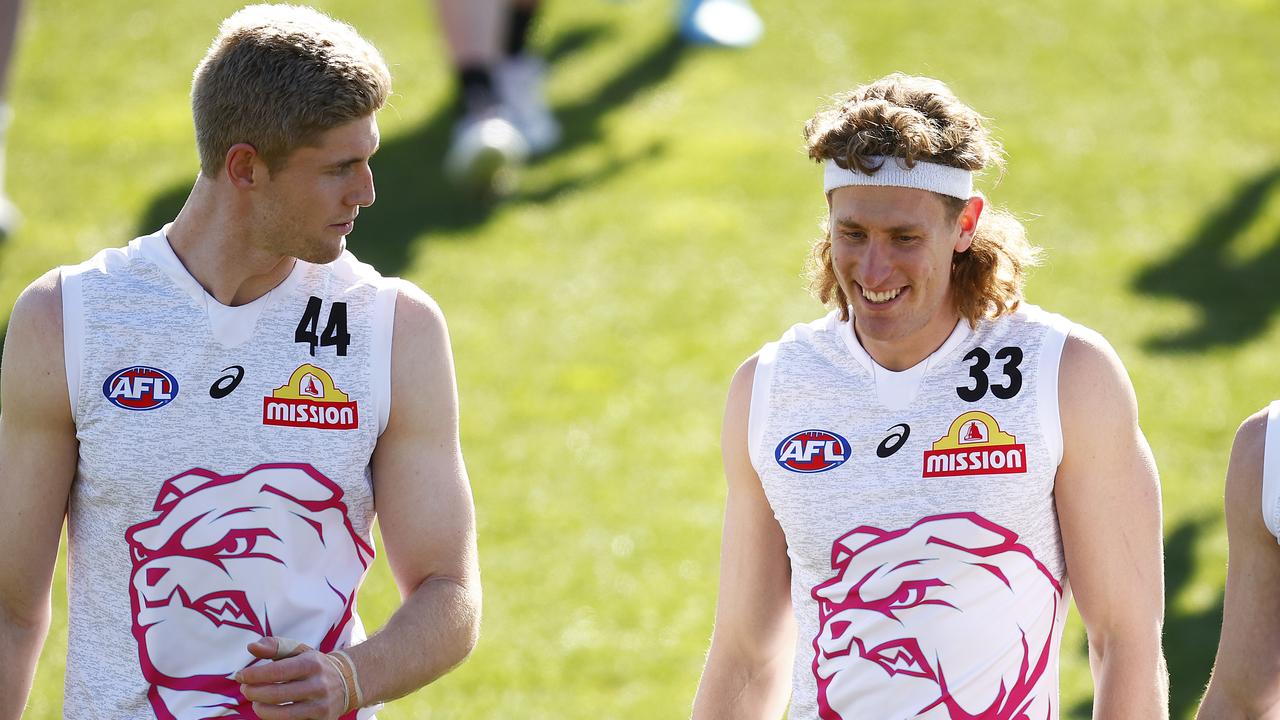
x=485 y=154
x=727 y=23
x=518 y=82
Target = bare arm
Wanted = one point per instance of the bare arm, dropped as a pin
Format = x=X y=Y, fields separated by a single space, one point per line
x=747 y=674
x=38 y=452
x=1246 y=675
x=1108 y=497
x=425 y=512
x=427 y=520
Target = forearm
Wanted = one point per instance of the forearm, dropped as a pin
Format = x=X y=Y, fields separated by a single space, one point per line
x=432 y=632
x=1130 y=680
x=20 y=643
x=731 y=689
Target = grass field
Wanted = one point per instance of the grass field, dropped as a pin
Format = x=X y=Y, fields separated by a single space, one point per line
x=598 y=315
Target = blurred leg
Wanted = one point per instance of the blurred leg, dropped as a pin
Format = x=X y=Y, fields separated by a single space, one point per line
x=486 y=148
x=519 y=81
x=9 y=10
x=8 y=32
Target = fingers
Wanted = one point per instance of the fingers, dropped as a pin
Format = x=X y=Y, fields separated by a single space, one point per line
x=283 y=671
x=276 y=648
x=304 y=686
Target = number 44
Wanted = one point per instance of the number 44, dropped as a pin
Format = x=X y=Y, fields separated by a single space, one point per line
x=335 y=330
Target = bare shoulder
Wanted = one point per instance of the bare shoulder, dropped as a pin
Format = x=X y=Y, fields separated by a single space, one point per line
x=35 y=327
x=1087 y=355
x=41 y=302
x=1092 y=377
x=34 y=381
x=1244 y=473
x=416 y=311
x=743 y=378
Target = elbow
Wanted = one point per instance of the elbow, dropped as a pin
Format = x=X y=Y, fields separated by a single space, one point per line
x=25 y=618
x=464 y=600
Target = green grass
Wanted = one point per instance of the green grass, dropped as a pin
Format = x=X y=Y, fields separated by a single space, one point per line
x=598 y=315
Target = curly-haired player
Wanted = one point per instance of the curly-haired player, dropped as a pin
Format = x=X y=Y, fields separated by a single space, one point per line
x=919 y=480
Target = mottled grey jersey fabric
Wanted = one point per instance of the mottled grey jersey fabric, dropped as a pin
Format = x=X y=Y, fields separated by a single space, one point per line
x=918 y=508
x=223 y=489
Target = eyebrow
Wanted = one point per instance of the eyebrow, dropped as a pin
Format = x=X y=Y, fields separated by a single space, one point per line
x=353 y=161
x=851 y=224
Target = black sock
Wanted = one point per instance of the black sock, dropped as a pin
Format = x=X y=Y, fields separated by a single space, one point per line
x=518 y=29
x=475 y=89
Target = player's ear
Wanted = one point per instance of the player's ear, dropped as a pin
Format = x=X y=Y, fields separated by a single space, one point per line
x=968 y=222
x=243 y=166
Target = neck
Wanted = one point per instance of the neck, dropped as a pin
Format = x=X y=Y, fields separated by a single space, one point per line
x=904 y=353
x=217 y=246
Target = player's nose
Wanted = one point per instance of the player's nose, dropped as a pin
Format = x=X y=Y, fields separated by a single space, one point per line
x=362 y=193
x=875 y=266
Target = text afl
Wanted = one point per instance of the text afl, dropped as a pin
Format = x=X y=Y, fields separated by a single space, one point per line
x=812 y=451
x=140 y=388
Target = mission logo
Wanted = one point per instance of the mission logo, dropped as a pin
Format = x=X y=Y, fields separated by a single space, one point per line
x=975 y=445
x=812 y=451
x=140 y=388
x=310 y=400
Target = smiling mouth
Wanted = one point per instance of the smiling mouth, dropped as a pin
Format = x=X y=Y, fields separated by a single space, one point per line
x=880 y=298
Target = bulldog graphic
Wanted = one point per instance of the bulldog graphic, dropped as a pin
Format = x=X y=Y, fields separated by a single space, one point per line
x=228 y=560
x=948 y=619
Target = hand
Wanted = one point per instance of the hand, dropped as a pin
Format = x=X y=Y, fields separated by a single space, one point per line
x=299 y=683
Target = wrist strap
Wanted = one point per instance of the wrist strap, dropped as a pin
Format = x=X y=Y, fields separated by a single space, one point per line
x=347 y=667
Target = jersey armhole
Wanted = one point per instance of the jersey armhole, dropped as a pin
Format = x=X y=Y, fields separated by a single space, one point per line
x=758 y=413
x=384 y=318
x=72 y=333
x=1271 y=471
x=1050 y=364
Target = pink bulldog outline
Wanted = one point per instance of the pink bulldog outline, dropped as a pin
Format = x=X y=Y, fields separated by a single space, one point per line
x=208 y=570
x=870 y=660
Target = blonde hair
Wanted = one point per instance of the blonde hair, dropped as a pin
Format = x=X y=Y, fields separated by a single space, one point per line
x=919 y=119
x=277 y=77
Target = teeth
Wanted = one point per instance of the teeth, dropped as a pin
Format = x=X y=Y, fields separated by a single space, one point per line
x=880 y=297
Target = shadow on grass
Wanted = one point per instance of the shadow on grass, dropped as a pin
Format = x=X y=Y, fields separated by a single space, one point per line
x=414 y=196
x=1190 y=638
x=1236 y=300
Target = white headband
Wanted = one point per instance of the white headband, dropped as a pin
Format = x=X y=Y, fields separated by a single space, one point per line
x=942 y=179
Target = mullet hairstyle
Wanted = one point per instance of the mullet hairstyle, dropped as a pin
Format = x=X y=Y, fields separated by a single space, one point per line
x=919 y=119
x=279 y=76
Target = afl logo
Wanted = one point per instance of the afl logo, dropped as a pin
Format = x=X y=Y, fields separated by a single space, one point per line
x=812 y=451
x=140 y=388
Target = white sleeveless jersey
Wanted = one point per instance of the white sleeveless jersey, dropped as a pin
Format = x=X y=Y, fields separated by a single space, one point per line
x=927 y=575
x=223 y=491
x=1271 y=470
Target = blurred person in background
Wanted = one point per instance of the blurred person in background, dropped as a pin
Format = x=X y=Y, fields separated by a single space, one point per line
x=503 y=117
x=9 y=11
x=1246 y=674
x=919 y=481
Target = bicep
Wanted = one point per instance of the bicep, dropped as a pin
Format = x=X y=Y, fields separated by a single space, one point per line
x=38 y=448
x=753 y=610
x=1108 y=497
x=423 y=498
x=1248 y=664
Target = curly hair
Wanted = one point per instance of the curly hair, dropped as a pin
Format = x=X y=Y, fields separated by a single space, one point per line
x=919 y=119
x=277 y=77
